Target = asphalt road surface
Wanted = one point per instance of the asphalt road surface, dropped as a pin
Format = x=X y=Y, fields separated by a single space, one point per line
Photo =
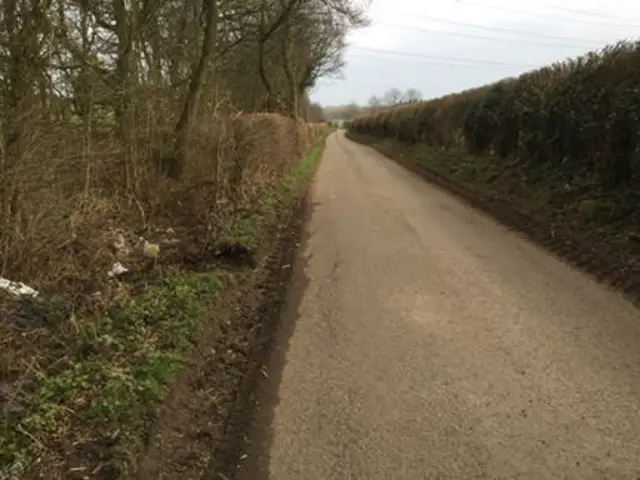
x=430 y=342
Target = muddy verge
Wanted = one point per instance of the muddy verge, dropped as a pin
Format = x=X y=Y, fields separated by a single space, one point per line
x=608 y=262
x=200 y=428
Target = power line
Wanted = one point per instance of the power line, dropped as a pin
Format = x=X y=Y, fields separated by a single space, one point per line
x=585 y=12
x=437 y=57
x=440 y=63
x=551 y=17
x=504 y=30
x=481 y=37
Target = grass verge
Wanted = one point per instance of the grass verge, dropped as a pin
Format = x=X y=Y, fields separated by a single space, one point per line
x=250 y=229
x=80 y=417
x=199 y=432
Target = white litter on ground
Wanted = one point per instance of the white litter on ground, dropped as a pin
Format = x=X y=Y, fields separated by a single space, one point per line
x=117 y=270
x=17 y=288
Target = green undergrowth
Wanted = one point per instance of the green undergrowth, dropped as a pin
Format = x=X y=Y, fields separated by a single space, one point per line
x=118 y=366
x=249 y=230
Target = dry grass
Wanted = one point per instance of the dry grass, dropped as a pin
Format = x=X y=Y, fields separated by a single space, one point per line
x=73 y=199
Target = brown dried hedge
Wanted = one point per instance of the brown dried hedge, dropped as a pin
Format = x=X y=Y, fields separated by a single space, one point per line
x=75 y=197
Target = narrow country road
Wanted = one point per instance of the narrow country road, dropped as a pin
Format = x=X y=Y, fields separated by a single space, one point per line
x=429 y=342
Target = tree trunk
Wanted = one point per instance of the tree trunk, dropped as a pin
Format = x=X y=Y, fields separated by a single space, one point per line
x=189 y=107
x=16 y=102
x=269 y=100
x=124 y=32
x=290 y=73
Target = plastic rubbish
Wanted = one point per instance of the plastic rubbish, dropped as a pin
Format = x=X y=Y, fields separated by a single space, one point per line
x=117 y=270
x=17 y=288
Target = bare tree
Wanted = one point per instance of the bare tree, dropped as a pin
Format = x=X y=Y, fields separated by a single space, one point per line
x=310 y=35
x=374 y=103
x=187 y=116
x=24 y=43
x=412 y=95
x=147 y=67
x=392 y=97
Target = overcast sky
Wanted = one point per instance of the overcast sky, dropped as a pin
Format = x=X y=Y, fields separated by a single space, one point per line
x=433 y=46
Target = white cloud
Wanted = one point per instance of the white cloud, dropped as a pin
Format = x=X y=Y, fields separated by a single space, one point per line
x=412 y=26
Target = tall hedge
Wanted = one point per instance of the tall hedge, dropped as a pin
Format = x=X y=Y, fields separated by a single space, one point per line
x=581 y=116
